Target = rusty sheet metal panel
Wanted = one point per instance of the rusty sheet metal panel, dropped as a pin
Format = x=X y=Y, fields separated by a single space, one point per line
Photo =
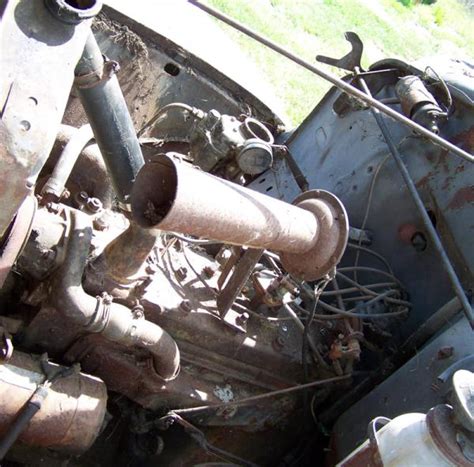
x=37 y=48
x=71 y=415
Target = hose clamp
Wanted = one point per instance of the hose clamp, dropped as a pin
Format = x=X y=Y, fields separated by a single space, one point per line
x=96 y=77
x=102 y=313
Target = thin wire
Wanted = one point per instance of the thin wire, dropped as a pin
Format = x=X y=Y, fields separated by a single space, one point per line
x=372 y=270
x=201 y=279
x=395 y=301
x=369 y=204
x=373 y=253
x=318 y=289
x=161 y=112
x=303 y=328
x=444 y=86
x=201 y=439
x=260 y=397
x=196 y=241
x=347 y=290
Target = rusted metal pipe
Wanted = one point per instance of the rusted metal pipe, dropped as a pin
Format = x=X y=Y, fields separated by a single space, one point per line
x=172 y=195
x=114 y=321
x=124 y=256
x=70 y=417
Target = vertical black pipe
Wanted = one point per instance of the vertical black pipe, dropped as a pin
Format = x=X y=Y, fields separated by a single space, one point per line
x=105 y=106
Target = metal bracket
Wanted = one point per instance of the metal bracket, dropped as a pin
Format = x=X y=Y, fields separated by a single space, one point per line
x=233 y=287
x=350 y=60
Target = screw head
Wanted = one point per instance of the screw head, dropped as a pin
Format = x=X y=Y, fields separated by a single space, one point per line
x=185 y=305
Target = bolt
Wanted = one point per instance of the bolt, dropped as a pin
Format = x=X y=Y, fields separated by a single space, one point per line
x=208 y=272
x=185 y=305
x=151 y=268
x=94 y=204
x=242 y=319
x=47 y=254
x=419 y=242
x=81 y=197
x=138 y=311
x=53 y=208
x=106 y=298
x=278 y=342
x=100 y=224
x=181 y=273
x=445 y=352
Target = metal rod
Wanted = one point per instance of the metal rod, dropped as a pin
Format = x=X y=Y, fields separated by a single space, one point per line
x=265 y=395
x=453 y=278
x=339 y=83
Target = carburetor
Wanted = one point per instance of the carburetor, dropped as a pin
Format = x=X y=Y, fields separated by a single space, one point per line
x=217 y=138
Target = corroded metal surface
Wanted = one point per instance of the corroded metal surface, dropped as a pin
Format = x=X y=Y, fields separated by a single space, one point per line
x=71 y=415
x=16 y=236
x=171 y=195
x=34 y=44
x=439 y=421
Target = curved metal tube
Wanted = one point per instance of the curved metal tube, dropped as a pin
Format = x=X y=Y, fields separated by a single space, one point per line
x=55 y=185
x=114 y=321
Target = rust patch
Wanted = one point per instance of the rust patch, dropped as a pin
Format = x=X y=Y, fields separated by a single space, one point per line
x=424 y=181
x=465 y=139
x=463 y=196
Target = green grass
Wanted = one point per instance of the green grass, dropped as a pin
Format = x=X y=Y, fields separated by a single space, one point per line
x=409 y=30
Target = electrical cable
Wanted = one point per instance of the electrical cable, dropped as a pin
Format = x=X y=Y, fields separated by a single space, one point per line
x=200 y=278
x=373 y=253
x=161 y=112
x=368 y=206
x=368 y=269
x=348 y=290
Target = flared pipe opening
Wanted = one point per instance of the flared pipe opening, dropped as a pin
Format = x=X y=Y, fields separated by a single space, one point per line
x=156 y=192
x=73 y=11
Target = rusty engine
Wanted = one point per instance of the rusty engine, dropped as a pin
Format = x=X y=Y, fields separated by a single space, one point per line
x=187 y=280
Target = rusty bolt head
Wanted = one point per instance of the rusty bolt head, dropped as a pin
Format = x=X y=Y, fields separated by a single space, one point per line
x=185 y=305
x=151 y=268
x=242 y=319
x=81 y=197
x=181 y=273
x=445 y=352
x=94 y=204
x=53 y=208
x=47 y=254
x=278 y=342
x=208 y=272
x=106 y=298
